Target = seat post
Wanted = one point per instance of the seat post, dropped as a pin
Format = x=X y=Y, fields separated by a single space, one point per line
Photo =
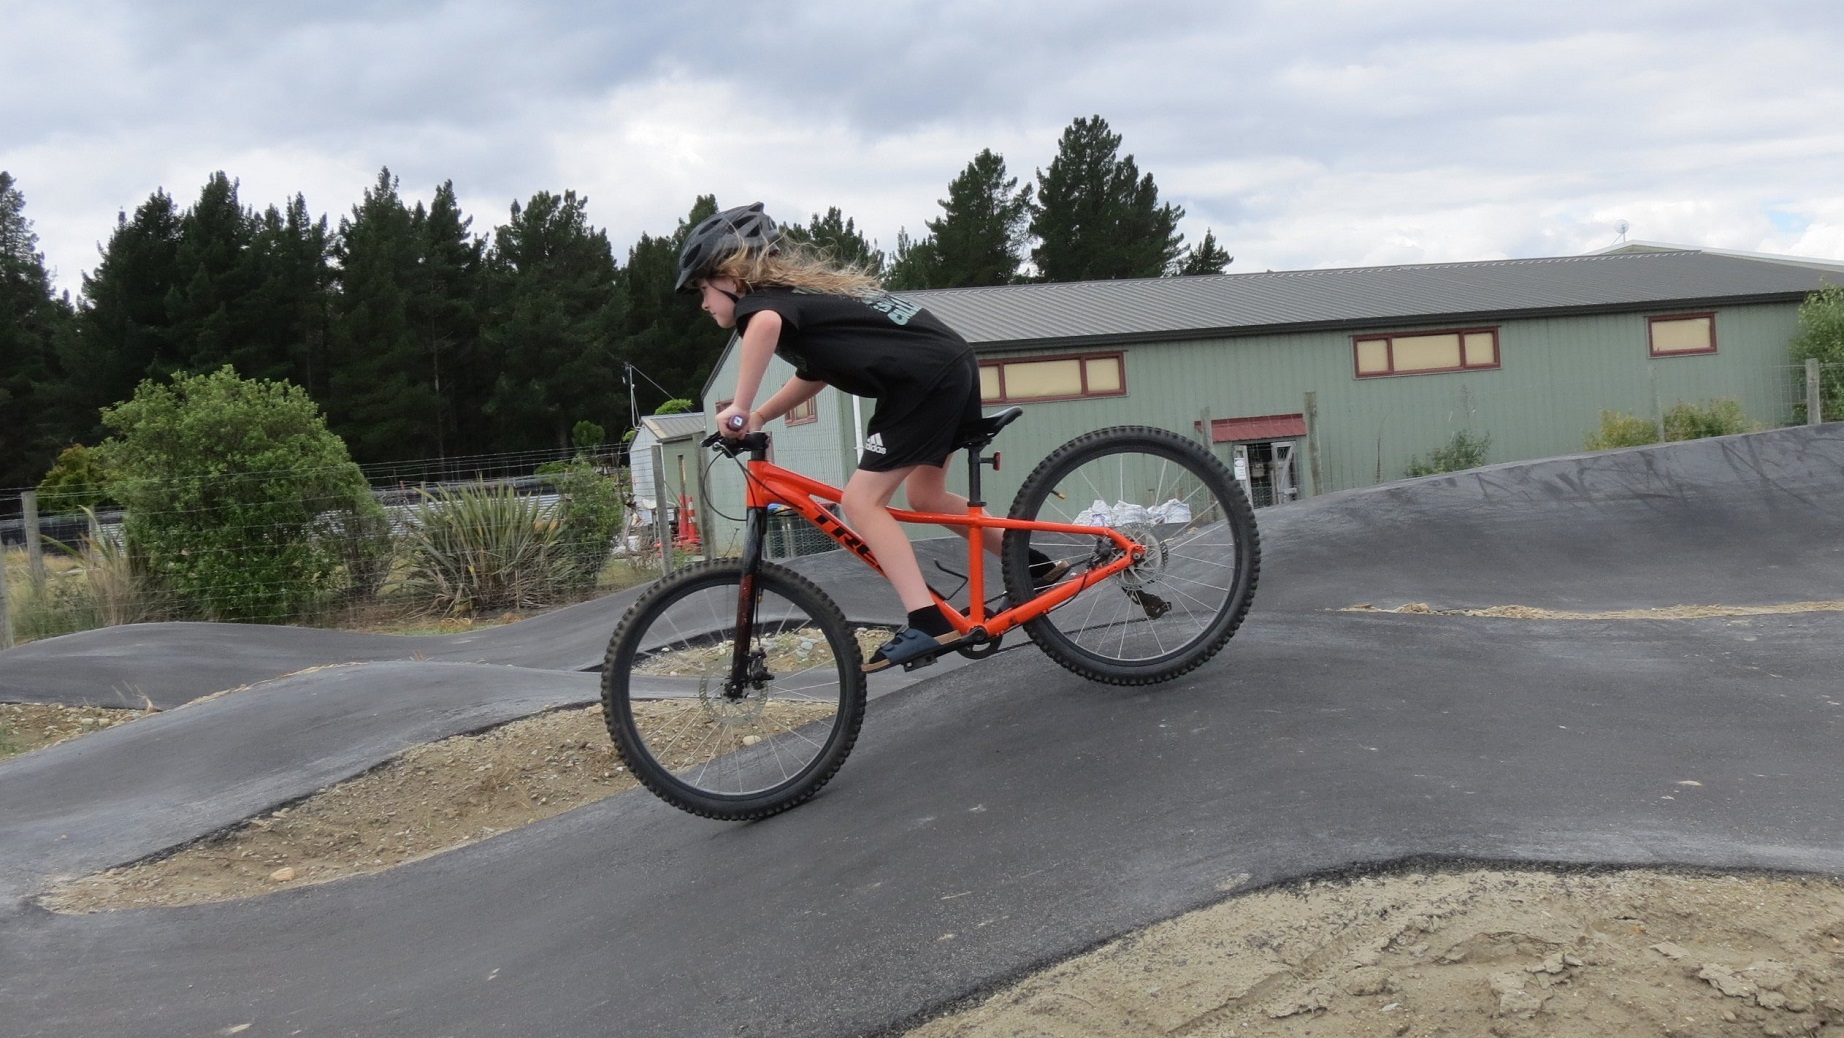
x=977 y=438
x=974 y=461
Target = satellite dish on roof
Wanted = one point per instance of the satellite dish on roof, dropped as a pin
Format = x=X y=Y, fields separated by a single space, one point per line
x=1621 y=227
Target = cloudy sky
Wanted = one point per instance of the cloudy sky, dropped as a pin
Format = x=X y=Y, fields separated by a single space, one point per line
x=1329 y=133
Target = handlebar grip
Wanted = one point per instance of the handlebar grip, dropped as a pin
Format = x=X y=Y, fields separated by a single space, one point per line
x=737 y=421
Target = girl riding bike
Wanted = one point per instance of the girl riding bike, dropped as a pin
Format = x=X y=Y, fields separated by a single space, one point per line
x=839 y=327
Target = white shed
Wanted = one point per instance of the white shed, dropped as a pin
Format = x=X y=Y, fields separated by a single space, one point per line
x=655 y=430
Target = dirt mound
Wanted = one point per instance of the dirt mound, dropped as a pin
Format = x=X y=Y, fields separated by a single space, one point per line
x=1519 y=954
x=430 y=799
x=31 y=726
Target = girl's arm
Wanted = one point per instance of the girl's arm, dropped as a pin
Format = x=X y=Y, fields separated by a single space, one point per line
x=753 y=353
x=797 y=391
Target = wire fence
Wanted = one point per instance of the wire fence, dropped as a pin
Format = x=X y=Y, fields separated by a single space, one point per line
x=441 y=546
x=1815 y=393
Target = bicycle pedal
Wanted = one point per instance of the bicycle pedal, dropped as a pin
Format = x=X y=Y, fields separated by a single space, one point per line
x=920 y=661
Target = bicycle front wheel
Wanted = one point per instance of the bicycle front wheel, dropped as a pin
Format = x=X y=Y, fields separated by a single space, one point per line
x=715 y=747
x=1174 y=608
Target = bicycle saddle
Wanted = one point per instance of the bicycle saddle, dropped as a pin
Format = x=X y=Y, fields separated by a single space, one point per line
x=978 y=434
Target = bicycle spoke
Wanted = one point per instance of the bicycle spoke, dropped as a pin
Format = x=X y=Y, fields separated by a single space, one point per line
x=1186 y=588
x=722 y=743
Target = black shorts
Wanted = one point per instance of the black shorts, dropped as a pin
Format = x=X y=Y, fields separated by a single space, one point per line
x=921 y=424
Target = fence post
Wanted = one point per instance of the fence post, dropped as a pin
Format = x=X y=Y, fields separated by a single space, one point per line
x=662 y=525
x=1312 y=439
x=35 y=546
x=1813 y=401
x=705 y=531
x=6 y=619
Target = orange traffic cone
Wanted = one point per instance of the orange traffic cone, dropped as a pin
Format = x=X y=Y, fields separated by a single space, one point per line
x=688 y=525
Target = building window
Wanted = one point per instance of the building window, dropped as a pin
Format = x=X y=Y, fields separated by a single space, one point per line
x=804 y=412
x=1052 y=378
x=1421 y=353
x=1681 y=333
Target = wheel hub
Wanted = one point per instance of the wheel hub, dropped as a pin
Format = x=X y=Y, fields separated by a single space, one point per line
x=1149 y=568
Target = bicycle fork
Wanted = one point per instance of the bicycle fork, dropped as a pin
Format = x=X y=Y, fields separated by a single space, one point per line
x=748 y=664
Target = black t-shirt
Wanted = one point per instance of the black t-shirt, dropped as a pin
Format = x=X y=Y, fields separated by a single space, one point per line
x=867 y=347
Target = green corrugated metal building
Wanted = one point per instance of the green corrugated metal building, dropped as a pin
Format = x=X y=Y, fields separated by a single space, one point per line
x=1319 y=380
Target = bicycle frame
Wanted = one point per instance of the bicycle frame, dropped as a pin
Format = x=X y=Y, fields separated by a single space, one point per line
x=769 y=483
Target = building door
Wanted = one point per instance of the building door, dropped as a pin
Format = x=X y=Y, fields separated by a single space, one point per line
x=1286 y=482
x=1263 y=452
x=1267 y=471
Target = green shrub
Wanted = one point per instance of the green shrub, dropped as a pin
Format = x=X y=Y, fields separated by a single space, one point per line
x=587 y=436
x=77 y=480
x=1465 y=451
x=1716 y=418
x=1821 y=338
x=1683 y=421
x=480 y=548
x=240 y=503
x=592 y=515
x=1621 y=430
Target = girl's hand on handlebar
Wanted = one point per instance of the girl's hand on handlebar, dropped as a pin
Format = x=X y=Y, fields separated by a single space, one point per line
x=734 y=422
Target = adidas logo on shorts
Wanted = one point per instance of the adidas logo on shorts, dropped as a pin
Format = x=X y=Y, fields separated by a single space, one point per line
x=875 y=444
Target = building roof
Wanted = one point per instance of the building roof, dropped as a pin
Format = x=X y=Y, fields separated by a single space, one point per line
x=669 y=427
x=1637 y=245
x=1213 y=306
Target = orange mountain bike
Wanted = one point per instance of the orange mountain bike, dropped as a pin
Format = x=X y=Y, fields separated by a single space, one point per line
x=734 y=689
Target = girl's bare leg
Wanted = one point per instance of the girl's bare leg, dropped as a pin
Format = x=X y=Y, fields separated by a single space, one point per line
x=867 y=508
x=927 y=490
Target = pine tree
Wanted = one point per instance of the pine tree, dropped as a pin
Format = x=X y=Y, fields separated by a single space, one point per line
x=211 y=309
x=835 y=236
x=444 y=320
x=980 y=236
x=32 y=319
x=289 y=255
x=382 y=403
x=1206 y=257
x=1096 y=217
x=552 y=323
x=125 y=333
x=663 y=332
x=913 y=263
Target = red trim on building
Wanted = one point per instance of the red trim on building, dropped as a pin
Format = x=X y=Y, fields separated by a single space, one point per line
x=1263 y=427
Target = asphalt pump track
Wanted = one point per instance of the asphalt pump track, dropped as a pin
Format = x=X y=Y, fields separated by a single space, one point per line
x=996 y=817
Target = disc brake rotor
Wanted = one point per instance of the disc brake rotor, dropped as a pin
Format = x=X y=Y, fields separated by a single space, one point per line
x=1150 y=568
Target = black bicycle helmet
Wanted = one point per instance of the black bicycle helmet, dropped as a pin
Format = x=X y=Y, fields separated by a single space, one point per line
x=716 y=237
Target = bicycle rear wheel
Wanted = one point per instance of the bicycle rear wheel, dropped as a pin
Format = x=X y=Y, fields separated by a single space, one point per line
x=733 y=753
x=1179 y=604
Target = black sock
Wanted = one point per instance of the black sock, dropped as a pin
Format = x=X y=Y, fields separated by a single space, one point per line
x=1040 y=563
x=929 y=621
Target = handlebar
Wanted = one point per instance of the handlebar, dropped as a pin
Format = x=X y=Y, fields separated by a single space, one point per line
x=755 y=443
